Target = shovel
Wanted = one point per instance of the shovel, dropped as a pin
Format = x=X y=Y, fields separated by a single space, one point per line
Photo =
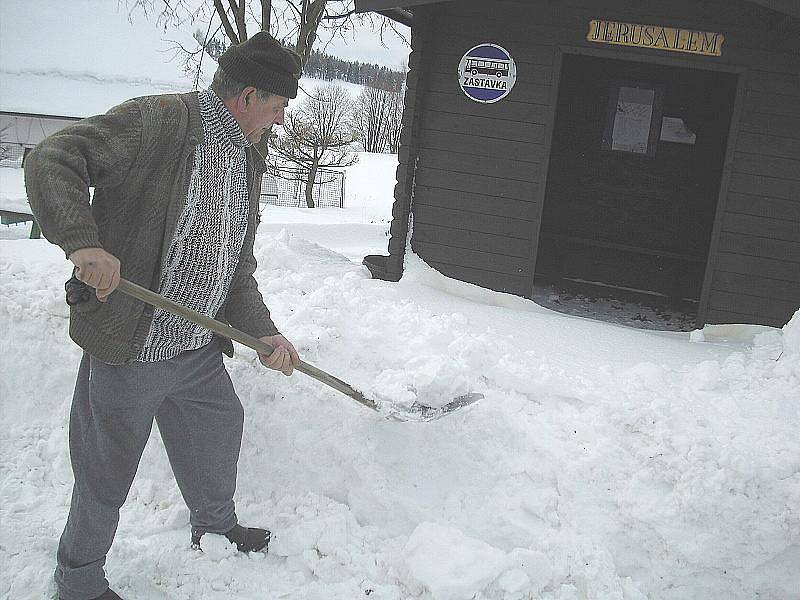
x=413 y=412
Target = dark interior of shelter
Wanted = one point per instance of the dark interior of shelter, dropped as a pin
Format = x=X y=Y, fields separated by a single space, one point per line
x=633 y=180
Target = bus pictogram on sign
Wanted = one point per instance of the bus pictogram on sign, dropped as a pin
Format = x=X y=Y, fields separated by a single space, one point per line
x=481 y=66
x=487 y=73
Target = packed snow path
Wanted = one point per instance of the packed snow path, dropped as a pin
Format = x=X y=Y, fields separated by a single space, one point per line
x=604 y=462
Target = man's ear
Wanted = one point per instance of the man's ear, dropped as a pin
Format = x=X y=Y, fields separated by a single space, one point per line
x=245 y=97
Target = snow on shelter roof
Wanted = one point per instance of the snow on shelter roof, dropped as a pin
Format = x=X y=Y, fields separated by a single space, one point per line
x=79 y=58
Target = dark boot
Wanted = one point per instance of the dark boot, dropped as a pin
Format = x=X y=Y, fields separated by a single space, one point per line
x=247 y=539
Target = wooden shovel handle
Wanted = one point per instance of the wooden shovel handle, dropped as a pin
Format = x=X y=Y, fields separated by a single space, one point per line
x=226 y=331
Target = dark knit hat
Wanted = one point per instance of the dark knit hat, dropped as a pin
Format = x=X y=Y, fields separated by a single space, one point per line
x=261 y=61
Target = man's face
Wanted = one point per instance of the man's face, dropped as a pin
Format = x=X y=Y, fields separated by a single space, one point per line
x=262 y=114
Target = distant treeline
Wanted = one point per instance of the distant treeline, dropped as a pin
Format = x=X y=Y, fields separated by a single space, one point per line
x=323 y=66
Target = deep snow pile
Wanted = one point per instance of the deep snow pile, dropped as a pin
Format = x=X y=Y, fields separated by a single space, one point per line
x=603 y=463
x=791 y=334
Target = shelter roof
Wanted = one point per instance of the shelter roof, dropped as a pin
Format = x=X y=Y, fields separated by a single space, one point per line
x=402 y=10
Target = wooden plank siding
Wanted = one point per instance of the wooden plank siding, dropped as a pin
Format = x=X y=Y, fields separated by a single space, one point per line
x=482 y=167
x=755 y=272
x=770 y=145
x=478 y=171
x=500 y=282
x=505 y=226
x=749 y=266
x=491 y=247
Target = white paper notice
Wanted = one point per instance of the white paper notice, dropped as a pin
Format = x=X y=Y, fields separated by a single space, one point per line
x=632 y=121
x=673 y=129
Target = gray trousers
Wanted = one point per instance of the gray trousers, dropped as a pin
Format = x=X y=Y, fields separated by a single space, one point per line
x=200 y=419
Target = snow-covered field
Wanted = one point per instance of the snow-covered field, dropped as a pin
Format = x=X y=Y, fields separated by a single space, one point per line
x=603 y=463
x=81 y=57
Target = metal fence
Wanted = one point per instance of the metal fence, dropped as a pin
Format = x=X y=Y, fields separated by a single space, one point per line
x=11 y=154
x=287 y=187
x=280 y=186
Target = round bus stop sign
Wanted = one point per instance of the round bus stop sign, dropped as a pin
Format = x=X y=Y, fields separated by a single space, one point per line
x=487 y=73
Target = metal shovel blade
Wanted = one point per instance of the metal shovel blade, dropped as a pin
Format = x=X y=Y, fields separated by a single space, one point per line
x=420 y=413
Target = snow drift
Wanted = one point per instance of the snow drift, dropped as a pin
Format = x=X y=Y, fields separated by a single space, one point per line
x=604 y=462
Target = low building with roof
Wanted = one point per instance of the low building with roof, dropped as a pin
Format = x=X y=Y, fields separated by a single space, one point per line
x=60 y=62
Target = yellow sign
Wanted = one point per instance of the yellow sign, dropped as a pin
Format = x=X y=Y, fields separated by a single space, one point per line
x=656 y=37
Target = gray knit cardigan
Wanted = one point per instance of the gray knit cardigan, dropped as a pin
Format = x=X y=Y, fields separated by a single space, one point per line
x=139 y=158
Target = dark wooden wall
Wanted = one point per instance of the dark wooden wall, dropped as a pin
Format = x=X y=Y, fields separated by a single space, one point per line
x=481 y=166
x=478 y=171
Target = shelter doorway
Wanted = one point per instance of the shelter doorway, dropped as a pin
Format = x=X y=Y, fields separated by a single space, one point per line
x=633 y=180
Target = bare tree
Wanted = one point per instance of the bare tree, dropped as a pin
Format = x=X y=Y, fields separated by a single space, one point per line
x=294 y=22
x=317 y=134
x=395 y=121
x=377 y=116
x=371 y=118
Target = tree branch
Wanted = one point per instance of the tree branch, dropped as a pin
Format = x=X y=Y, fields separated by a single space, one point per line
x=293 y=6
x=266 y=12
x=226 y=23
x=348 y=14
x=238 y=15
x=310 y=19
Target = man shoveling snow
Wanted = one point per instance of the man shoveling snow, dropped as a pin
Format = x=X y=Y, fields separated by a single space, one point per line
x=175 y=209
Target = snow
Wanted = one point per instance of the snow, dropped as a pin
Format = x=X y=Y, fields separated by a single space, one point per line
x=12 y=190
x=791 y=335
x=697 y=335
x=451 y=565
x=604 y=461
x=362 y=228
x=309 y=85
x=84 y=56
